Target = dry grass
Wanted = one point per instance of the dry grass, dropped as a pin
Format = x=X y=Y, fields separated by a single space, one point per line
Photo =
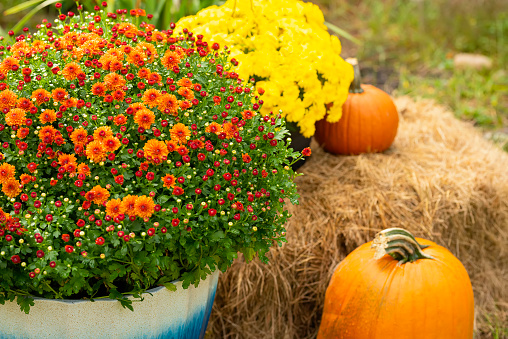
x=440 y=180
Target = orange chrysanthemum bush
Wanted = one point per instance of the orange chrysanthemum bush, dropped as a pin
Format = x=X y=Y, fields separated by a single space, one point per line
x=131 y=157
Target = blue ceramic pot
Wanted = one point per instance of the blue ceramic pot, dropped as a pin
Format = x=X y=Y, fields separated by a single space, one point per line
x=164 y=314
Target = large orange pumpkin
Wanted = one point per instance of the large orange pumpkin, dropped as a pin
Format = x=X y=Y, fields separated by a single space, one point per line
x=369 y=121
x=399 y=287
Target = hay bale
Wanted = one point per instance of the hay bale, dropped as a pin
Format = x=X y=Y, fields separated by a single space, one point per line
x=440 y=180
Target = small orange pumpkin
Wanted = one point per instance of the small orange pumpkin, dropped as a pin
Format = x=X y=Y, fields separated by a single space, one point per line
x=369 y=121
x=398 y=287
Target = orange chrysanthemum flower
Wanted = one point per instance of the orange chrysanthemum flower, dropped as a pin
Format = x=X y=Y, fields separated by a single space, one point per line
x=214 y=128
x=168 y=104
x=247 y=114
x=25 y=178
x=71 y=71
x=184 y=104
x=148 y=47
x=106 y=61
x=135 y=56
x=11 y=188
x=111 y=144
x=170 y=59
x=71 y=37
x=151 y=97
x=137 y=12
x=66 y=159
x=22 y=132
x=114 y=208
x=169 y=181
x=180 y=51
x=15 y=116
x=102 y=133
x=25 y=104
x=129 y=205
x=114 y=81
x=79 y=136
x=48 y=116
x=38 y=46
x=156 y=151
x=179 y=133
x=171 y=146
x=137 y=106
x=184 y=82
x=8 y=99
x=20 y=48
x=59 y=95
x=229 y=129
x=99 y=194
x=115 y=65
x=194 y=144
x=7 y=172
x=118 y=95
x=155 y=77
x=71 y=102
x=84 y=169
x=120 y=120
x=99 y=89
x=158 y=36
x=115 y=52
x=144 y=73
x=186 y=93
x=144 y=118
x=7 y=63
x=144 y=166
x=47 y=134
x=41 y=96
x=144 y=206
x=246 y=158
x=95 y=151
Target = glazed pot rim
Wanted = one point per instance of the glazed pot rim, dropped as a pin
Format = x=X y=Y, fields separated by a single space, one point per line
x=99 y=299
x=77 y=301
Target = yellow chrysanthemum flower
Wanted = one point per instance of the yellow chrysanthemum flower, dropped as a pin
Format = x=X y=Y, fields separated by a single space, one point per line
x=285 y=45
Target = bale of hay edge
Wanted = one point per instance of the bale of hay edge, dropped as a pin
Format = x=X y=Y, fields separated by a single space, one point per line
x=440 y=179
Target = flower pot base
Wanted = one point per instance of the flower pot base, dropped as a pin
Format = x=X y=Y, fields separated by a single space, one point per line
x=165 y=314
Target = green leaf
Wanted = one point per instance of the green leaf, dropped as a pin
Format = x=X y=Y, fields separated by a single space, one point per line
x=248 y=253
x=21 y=7
x=24 y=303
x=126 y=303
x=162 y=199
x=170 y=286
x=216 y=236
x=342 y=33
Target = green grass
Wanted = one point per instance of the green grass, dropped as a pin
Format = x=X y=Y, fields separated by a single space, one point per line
x=496 y=328
x=414 y=42
x=480 y=97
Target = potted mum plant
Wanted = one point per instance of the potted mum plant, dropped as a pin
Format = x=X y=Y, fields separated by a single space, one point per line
x=135 y=165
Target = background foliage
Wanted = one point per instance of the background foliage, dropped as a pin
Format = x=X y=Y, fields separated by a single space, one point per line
x=408 y=47
x=164 y=11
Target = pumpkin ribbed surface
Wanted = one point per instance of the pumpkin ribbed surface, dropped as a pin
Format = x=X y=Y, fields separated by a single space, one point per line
x=379 y=298
x=369 y=123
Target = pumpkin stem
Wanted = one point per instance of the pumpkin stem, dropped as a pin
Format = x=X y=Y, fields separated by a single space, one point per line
x=356 y=85
x=400 y=244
